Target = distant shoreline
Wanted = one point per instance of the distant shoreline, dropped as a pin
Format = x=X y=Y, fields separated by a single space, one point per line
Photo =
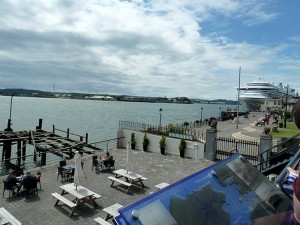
x=106 y=97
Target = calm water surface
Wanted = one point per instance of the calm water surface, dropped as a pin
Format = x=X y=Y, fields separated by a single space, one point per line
x=100 y=119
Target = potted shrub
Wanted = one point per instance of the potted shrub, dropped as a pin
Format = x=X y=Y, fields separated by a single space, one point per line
x=182 y=147
x=162 y=145
x=145 y=142
x=132 y=140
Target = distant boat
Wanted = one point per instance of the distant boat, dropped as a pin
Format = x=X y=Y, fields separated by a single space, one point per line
x=259 y=91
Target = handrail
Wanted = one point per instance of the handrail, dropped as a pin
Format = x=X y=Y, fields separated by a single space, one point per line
x=294 y=161
x=267 y=151
x=266 y=161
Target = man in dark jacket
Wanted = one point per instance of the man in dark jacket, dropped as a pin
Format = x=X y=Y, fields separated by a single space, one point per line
x=29 y=182
x=12 y=183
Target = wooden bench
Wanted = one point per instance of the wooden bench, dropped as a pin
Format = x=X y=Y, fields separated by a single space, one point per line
x=101 y=221
x=7 y=218
x=64 y=200
x=96 y=196
x=161 y=185
x=114 y=179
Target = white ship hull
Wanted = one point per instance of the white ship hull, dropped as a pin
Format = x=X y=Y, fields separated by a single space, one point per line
x=258 y=92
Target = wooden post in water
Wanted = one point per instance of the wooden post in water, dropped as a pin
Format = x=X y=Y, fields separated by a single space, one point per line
x=19 y=149
x=68 y=133
x=34 y=156
x=86 y=138
x=40 y=123
x=7 y=151
x=43 y=157
x=29 y=138
x=70 y=153
x=24 y=150
x=53 y=129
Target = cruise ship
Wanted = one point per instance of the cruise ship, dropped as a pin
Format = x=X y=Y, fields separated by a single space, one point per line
x=259 y=91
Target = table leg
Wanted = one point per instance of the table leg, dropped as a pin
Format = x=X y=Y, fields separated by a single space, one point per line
x=63 y=192
x=108 y=217
x=92 y=201
x=141 y=181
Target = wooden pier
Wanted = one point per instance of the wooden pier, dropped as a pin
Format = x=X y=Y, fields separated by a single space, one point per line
x=43 y=142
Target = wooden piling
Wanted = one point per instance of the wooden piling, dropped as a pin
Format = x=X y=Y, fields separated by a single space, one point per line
x=7 y=151
x=24 y=150
x=43 y=157
x=40 y=123
x=19 y=147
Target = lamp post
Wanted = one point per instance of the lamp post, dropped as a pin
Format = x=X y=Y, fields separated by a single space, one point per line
x=160 y=112
x=238 y=101
x=286 y=100
x=9 y=120
x=201 y=121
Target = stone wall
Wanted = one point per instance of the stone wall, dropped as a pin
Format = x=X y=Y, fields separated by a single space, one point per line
x=193 y=149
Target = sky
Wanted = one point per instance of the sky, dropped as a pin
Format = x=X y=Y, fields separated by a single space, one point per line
x=172 y=48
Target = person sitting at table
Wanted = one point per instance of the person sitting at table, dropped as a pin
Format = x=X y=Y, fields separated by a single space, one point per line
x=29 y=182
x=12 y=183
x=104 y=159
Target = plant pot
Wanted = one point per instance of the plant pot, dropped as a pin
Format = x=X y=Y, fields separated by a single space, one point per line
x=145 y=147
x=162 y=151
x=132 y=145
x=181 y=154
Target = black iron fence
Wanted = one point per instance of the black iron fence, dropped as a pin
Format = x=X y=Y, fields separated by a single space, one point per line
x=186 y=130
x=107 y=144
x=229 y=146
x=278 y=155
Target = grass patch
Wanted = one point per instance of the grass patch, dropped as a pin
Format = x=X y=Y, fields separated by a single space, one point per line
x=289 y=131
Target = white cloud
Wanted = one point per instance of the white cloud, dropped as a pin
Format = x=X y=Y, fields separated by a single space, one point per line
x=155 y=48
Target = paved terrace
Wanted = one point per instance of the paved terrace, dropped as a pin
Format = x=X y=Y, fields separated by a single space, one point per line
x=41 y=210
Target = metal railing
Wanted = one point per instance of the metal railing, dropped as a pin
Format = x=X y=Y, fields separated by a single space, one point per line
x=184 y=130
x=282 y=151
x=227 y=146
x=107 y=144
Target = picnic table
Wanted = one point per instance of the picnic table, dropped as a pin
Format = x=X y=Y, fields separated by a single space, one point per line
x=81 y=194
x=112 y=211
x=130 y=178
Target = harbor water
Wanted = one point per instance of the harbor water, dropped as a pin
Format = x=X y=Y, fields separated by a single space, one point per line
x=98 y=119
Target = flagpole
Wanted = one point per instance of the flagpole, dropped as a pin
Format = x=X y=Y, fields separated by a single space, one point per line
x=238 y=101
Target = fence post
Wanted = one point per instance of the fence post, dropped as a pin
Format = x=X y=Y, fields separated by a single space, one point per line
x=265 y=144
x=211 y=145
x=196 y=150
